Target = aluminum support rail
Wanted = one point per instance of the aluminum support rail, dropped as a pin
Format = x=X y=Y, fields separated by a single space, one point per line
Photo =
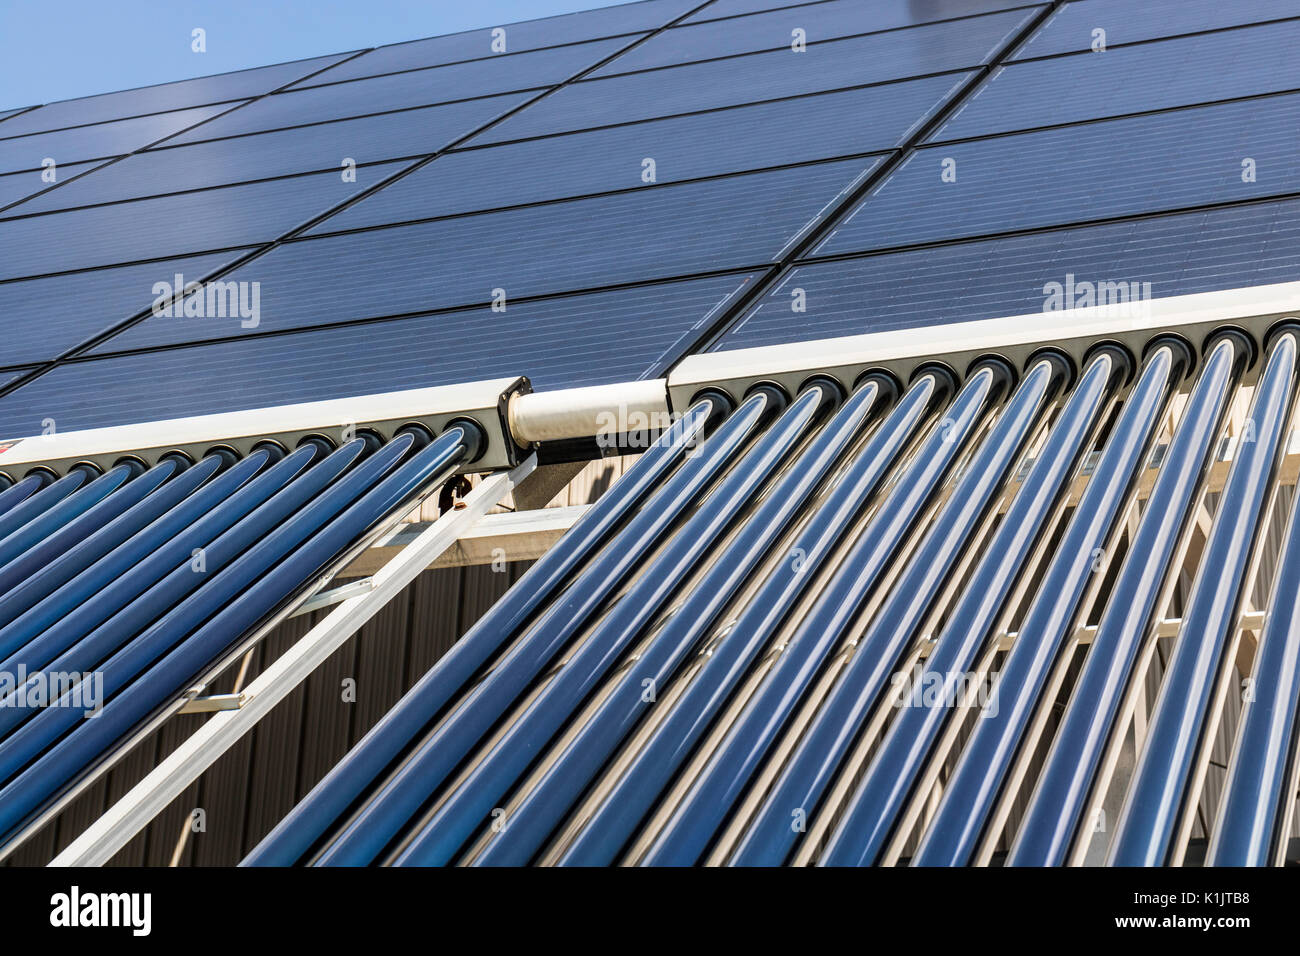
x=320 y=810
x=799 y=791
x=97 y=845
x=380 y=821
x=1059 y=801
x=620 y=813
x=891 y=776
x=1156 y=815
x=969 y=793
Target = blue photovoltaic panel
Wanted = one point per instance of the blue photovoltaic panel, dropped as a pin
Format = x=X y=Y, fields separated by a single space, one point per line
x=98 y=141
x=7 y=113
x=169 y=96
x=837 y=64
x=1131 y=79
x=774 y=30
x=868 y=118
x=1181 y=254
x=380 y=94
x=685 y=147
x=43 y=318
x=1053 y=177
x=171 y=225
x=1070 y=29
x=498 y=74
x=224 y=162
x=519 y=37
x=715 y=225
x=15 y=186
x=731 y=8
x=578 y=340
x=890 y=13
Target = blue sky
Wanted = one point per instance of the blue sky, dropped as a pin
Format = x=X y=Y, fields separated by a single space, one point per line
x=57 y=50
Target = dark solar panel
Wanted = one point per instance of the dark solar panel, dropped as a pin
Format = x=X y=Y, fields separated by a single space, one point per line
x=1210 y=154
x=265 y=155
x=1071 y=28
x=517 y=38
x=15 y=186
x=748 y=137
x=731 y=8
x=99 y=141
x=497 y=74
x=45 y=317
x=171 y=225
x=168 y=96
x=888 y=13
x=776 y=30
x=398 y=91
x=837 y=64
x=733 y=223
x=507 y=215
x=579 y=340
x=1149 y=76
x=1180 y=254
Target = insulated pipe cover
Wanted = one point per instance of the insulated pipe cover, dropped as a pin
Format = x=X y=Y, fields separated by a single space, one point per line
x=583 y=412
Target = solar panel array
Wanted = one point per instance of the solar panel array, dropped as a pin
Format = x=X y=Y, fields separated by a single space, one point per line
x=1121 y=142
x=588 y=198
